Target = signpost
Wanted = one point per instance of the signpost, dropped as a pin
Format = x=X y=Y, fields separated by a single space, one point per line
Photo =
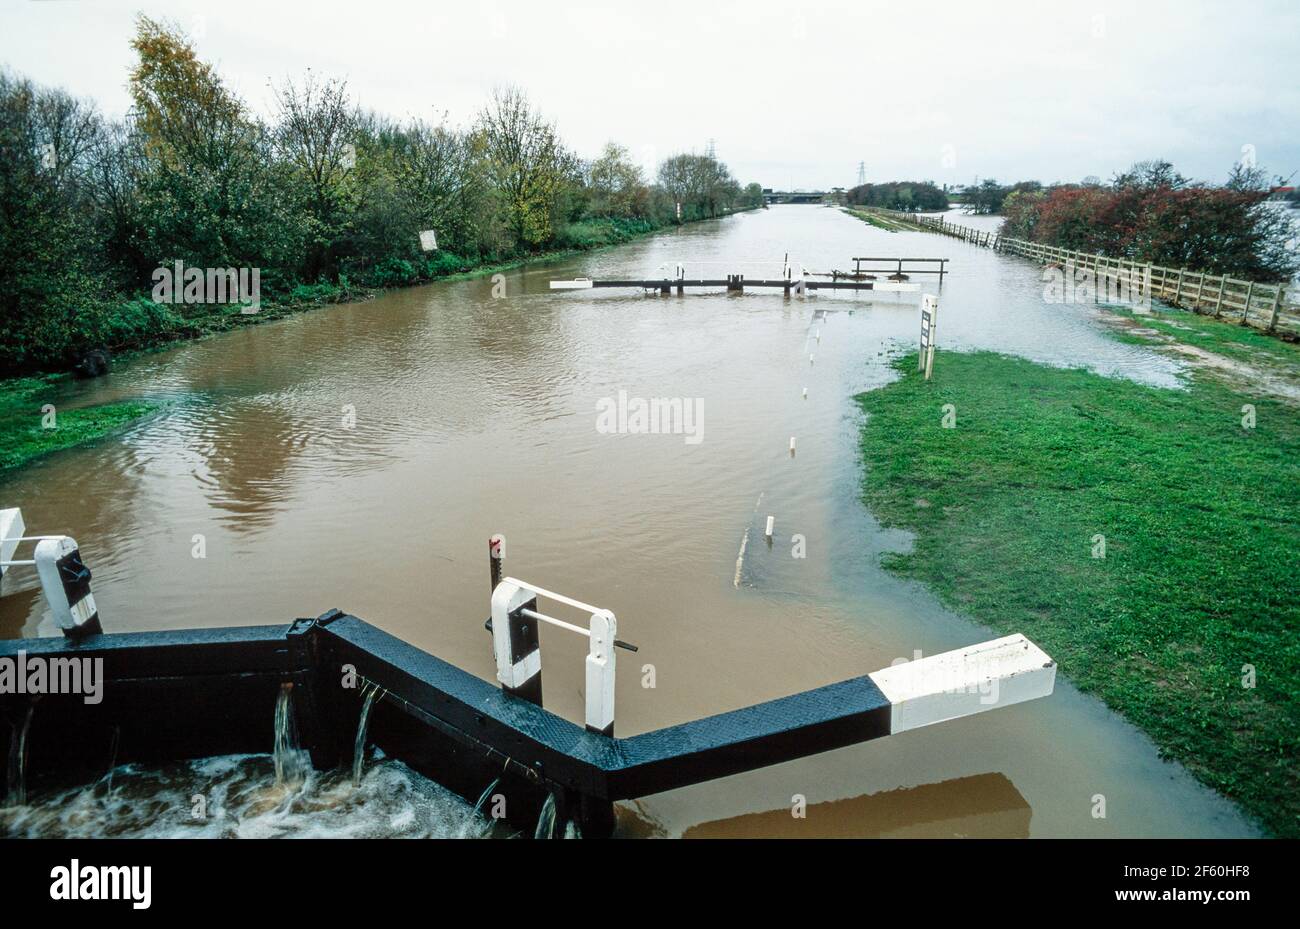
x=929 y=320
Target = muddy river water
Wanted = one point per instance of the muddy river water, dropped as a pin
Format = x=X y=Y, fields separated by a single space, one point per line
x=360 y=456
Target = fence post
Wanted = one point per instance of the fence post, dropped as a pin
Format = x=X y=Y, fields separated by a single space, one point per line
x=1218 y=300
x=1277 y=306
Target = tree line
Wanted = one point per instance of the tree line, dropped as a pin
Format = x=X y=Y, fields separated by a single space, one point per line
x=906 y=196
x=1151 y=213
x=988 y=197
x=325 y=196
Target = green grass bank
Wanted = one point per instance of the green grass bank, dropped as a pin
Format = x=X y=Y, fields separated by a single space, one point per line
x=1201 y=568
x=28 y=431
x=879 y=220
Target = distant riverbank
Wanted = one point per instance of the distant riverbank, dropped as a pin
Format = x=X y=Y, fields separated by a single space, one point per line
x=27 y=432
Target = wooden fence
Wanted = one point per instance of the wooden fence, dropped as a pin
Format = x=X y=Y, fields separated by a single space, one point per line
x=1264 y=306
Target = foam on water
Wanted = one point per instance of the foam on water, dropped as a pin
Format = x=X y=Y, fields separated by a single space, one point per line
x=236 y=796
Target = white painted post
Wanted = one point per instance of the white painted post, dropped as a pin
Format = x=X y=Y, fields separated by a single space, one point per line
x=771 y=524
x=929 y=324
x=65 y=580
x=518 y=656
x=792 y=445
x=600 y=673
x=12 y=529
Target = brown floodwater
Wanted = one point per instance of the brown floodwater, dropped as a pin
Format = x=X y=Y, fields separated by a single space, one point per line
x=476 y=414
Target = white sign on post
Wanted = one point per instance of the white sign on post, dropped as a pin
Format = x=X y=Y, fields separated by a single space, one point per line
x=929 y=320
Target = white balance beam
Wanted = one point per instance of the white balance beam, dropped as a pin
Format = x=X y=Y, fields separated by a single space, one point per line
x=11 y=530
x=895 y=287
x=965 y=681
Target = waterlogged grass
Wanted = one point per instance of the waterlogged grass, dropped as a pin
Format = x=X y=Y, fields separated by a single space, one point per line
x=1222 y=336
x=878 y=220
x=23 y=433
x=1201 y=574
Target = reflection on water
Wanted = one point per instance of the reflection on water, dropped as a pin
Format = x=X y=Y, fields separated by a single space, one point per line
x=981 y=806
x=359 y=456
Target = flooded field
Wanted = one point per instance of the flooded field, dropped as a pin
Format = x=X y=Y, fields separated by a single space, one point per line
x=360 y=456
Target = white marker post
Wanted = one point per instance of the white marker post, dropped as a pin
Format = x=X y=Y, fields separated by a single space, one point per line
x=65 y=579
x=519 y=656
x=515 y=642
x=929 y=323
x=600 y=673
x=11 y=531
x=771 y=525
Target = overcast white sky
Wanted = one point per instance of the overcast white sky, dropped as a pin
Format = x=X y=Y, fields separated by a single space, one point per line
x=795 y=94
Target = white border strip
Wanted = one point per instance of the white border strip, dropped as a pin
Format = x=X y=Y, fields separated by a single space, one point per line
x=965 y=681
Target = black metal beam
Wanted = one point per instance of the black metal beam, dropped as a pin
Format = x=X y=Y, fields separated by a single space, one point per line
x=754 y=737
x=196 y=692
x=568 y=755
x=165 y=696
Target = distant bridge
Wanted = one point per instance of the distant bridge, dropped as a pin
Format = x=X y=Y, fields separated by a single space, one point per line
x=802 y=196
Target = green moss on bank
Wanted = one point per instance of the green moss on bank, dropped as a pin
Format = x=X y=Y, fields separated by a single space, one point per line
x=1202 y=560
x=23 y=433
